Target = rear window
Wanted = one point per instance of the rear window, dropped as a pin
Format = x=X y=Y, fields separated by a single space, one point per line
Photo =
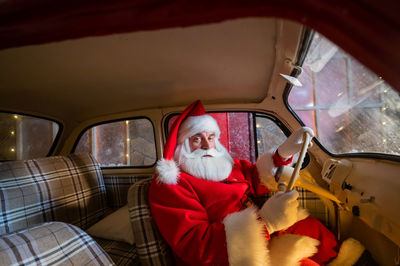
x=351 y=109
x=126 y=143
x=26 y=137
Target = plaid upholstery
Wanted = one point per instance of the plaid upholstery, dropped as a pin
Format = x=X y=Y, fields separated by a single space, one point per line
x=310 y=201
x=60 y=188
x=151 y=247
x=117 y=189
x=50 y=244
x=121 y=253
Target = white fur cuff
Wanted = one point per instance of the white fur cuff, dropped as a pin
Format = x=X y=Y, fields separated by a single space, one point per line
x=245 y=237
x=350 y=251
x=288 y=250
x=266 y=171
x=168 y=172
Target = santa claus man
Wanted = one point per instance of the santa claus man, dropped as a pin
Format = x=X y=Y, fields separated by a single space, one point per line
x=200 y=202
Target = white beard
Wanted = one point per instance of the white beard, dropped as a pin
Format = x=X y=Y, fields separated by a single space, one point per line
x=215 y=168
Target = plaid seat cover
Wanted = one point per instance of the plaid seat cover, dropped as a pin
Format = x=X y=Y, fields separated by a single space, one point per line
x=151 y=247
x=117 y=189
x=121 y=253
x=60 y=188
x=51 y=243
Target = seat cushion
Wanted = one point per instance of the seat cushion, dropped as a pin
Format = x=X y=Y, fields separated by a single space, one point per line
x=120 y=252
x=58 y=188
x=53 y=243
x=151 y=247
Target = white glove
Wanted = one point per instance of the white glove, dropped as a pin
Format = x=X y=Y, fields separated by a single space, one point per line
x=281 y=211
x=294 y=142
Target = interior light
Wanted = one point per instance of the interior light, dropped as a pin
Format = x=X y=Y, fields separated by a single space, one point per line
x=15 y=116
x=12 y=150
x=12 y=132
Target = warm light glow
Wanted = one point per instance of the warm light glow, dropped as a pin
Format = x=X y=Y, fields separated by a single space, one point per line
x=127 y=155
x=384 y=140
x=257 y=125
x=12 y=150
x=12 y=132
x=384 y=123
x=15 y=116
x=340 y=129
x=383 y=108
x=258 y=141
x=128 y=139
x=126 y=122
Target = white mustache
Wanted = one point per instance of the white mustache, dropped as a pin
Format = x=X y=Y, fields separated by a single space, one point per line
x=199 y=153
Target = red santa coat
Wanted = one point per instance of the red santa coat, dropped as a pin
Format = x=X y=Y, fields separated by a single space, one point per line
x=204 y=222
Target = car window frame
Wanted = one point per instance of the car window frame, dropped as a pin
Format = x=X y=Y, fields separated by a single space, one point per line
x=83 y=131
x=57 y=137
x=308 y=36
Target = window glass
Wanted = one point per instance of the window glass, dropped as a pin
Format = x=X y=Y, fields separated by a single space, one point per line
x=269 y=135
x=237 y=134
x=25 y=137
x=350 y=108
x=121 y=143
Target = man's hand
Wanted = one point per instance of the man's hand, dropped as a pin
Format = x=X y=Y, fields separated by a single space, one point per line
x=281 y=211
x=294 y=142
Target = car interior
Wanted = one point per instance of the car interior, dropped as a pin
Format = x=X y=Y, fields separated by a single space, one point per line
x=90 y=90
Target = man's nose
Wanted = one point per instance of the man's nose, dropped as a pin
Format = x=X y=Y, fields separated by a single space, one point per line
x=205 y=144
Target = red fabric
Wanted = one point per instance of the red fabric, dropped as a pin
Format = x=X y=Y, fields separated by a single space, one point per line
x=195 y=109
x=369 y=30
x=279 y=161
x=189 y=215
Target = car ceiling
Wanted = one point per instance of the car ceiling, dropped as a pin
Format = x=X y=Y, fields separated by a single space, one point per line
x=230 y=61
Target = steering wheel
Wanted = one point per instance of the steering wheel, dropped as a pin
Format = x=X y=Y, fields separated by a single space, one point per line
x=295 y=174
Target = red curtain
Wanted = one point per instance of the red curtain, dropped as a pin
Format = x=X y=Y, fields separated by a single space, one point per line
x=367 y=29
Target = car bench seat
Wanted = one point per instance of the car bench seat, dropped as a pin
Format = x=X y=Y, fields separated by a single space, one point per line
x=34 y=194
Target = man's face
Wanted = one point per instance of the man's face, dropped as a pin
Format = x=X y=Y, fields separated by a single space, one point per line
x=203 y=140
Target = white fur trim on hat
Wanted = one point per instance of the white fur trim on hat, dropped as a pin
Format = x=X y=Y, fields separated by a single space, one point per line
x=350 y=251
x=245 y=237
x=288 y=249
x=266 y=171
x=196 y=124
x=167 y=171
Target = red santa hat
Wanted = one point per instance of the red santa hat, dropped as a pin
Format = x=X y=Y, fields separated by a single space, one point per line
x=191 y=121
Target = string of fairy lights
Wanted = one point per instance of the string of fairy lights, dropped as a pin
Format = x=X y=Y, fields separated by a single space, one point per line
x=12 y=133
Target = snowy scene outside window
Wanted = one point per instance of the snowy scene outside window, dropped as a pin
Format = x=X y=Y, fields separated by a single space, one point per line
x=351 y=109
x=25 y=137
x=127 y=143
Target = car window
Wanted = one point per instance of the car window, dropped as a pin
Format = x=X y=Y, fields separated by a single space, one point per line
x=127 y=143
x=246 y=134
x=351 y=109
x=25 y=137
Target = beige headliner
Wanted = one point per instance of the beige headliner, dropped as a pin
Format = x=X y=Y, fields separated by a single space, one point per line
x=76 y=80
